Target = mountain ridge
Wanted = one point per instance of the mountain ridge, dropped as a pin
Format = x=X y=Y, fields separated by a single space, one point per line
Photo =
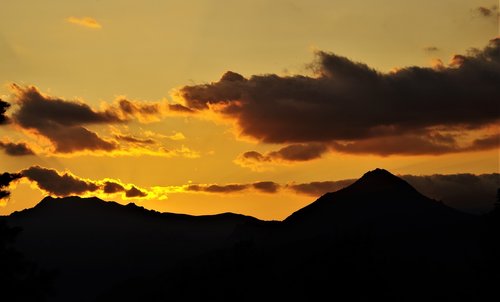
x=93 y=241
x=69 y=201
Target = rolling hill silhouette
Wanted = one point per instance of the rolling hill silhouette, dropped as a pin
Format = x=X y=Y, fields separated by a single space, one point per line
x=376 y=239
x=94 y=243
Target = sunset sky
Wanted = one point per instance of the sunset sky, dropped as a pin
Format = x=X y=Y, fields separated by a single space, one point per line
x=253 y=107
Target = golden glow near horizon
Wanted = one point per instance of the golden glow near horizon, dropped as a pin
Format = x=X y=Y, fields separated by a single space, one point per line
x=100 y=52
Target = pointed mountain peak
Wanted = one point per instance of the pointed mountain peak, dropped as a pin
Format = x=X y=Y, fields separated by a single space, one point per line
x=378 y=173
x=378 y=197
x=379 y=176
x=382 y=181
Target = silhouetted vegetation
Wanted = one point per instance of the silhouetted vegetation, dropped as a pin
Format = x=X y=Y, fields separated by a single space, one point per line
x=20 y=279
x=497 y=204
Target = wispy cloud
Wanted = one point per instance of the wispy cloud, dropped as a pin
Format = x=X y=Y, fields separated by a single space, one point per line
x=85 y=22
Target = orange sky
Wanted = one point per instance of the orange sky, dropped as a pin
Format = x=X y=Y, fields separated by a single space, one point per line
x=131 y=92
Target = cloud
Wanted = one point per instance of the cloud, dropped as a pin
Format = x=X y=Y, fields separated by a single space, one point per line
x=263 y=186
x=348 y=105
x=431 y=49
x=65 y=123
x=65 y=184
x=230 y=188
x=142 y=111
x=5 y=180
x=298 y=152
x=180 y=108
x=429 y=143
x=16 y=149
x=287 y=154
x=410 y=144
x=61 y=121
x=486 y=143
x=145 y=111
x=487 y=12
x=111 y=187
x=266 y=186
x=134 y=140
x=469 y=192
x=177 y=136
x=3 y=108
x=318 y=188
x=135 y=192
x=59 y=184
x=85 y=22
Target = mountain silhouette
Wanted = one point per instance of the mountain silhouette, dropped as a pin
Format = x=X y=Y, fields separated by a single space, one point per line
x=94 y=243
x=378 y=238
x=378 y=200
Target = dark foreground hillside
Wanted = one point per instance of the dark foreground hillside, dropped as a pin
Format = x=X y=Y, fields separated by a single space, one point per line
x=376 y=239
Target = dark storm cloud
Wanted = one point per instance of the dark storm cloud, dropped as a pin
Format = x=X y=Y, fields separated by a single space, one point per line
x=56 y=184
x=135 y=140
x=16 y=149
x=348 y=102
x=3 y=108
x=5 y=180
x=266 y=186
